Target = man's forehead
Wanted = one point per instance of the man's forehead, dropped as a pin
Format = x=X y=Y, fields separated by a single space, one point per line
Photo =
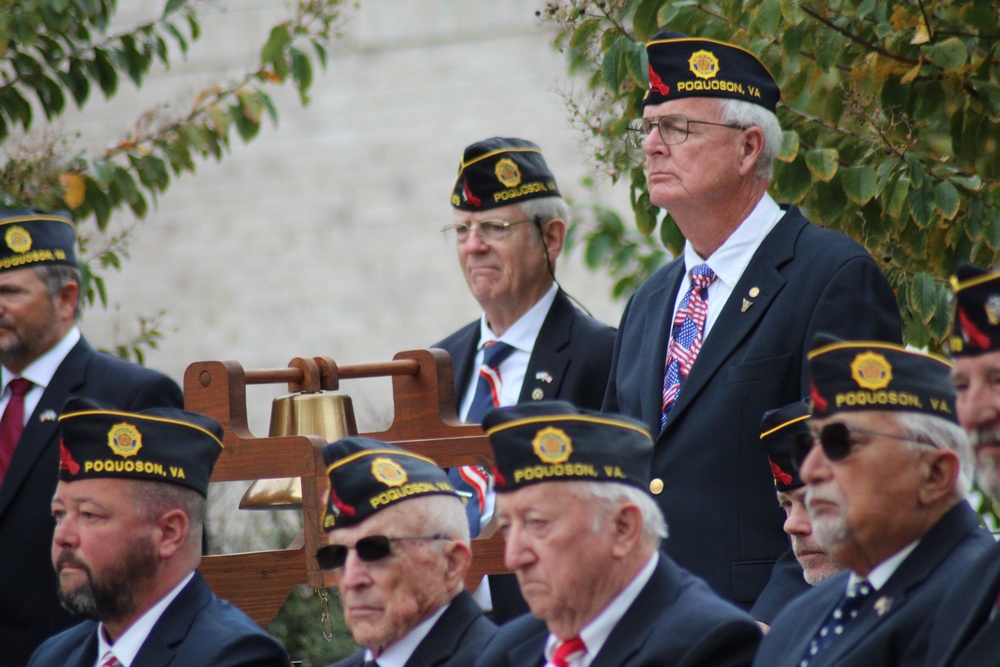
x=98 y=490
x=854 y=418
x=981 y=364
x=390 y=521
x=510 y=212
x=688 y=106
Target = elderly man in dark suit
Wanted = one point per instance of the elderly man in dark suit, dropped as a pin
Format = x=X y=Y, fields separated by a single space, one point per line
x=964 y=629
x=886 y=472
x=129 y=510
x=399 y=543
x=719 y=336
x=45 y=361
x=582 y=534
x=531 y=342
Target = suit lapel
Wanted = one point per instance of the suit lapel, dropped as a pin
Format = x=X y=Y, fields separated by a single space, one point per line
x=544 y=375
x=531 y=652
x=761 y=279
x=442 y=641
x=38 y=433
x=968 y=634
x=655 y=345
x=172 y=627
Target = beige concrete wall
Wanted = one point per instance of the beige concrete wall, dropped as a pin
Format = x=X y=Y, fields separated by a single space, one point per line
x=321 y=236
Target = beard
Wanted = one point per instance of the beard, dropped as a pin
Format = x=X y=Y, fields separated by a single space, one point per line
x=112 y=595
x=828 y=529
x=987 y=476
x=26 y=344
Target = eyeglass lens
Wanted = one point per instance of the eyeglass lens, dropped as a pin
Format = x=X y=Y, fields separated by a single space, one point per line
x=835 y=439
x=673 y=129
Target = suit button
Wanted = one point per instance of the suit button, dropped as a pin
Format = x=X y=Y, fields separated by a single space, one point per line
x=656 y=486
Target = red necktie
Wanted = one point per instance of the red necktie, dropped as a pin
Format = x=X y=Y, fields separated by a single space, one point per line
x=686 y=336
x=568 y=648
x=12 y=423
x=109 y=660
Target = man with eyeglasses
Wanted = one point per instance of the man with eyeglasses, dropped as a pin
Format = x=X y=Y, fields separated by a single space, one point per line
x=718 y=336
x=399 y=543
x=531 y=343
x=964 y=631
x=583 y=533
x=780 y=430
x=886 y=468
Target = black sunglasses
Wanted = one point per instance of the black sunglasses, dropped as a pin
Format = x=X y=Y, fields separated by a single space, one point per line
x=836 y=441
x=370 y=549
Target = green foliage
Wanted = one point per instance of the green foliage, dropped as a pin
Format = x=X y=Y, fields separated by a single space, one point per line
x=52 y=51
x=890 y=111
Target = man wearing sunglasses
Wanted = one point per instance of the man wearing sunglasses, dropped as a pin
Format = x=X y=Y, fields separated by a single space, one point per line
x=582 y=533
x=399 y=544
x=717 y=337
x=886 y=469
x=531 y=343
x=780 y=430
x=964 y=630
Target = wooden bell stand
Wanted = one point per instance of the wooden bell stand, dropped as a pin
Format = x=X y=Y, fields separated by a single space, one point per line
x=424 y=422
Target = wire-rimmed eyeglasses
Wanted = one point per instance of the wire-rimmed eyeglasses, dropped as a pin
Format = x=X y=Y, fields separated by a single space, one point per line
x=370 y=549
x=673 y=129
x=837 y=442
x=488 y=231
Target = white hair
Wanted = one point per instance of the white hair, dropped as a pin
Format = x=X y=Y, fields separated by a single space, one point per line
x=606 y=496
x=747 y=114
x=931 y=431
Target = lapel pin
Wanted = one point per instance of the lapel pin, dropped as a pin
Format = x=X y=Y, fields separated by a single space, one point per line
x=543 y=376
x=537 y=394
x=48 y=416
x=746 y=305
x=754 y=292
x=883 y=605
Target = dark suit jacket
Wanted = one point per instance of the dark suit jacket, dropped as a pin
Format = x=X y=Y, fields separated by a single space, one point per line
x=887 y=627
x=196 y=630
x=718 y=491
x=29 y=608
x=959 y=634
x=676 y=621
x=455 y=640
x=573 y=348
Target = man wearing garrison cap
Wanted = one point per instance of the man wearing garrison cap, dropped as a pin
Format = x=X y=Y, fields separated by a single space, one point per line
x=718 y=336
x=45 y=360
x=780 y=429
x=129 y=510
x=886 y=472
x=964 y=629
x=399 y=544
x=531 y=343
x=582 y=534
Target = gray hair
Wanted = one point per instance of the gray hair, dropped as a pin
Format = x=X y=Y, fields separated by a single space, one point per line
x=545 y=209
x=56 y=276
x=606 y=496
x=440 y=514
x=154 y=499
x=944 y=435
x=747 y=114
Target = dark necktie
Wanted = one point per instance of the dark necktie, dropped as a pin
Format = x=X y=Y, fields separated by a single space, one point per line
x=472 y=481
x=12 y=423
x=566 y=650
x=686 y=336
x=841 y=616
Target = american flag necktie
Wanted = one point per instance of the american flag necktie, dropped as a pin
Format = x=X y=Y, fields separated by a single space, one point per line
x=109 y=660
x=686 y=336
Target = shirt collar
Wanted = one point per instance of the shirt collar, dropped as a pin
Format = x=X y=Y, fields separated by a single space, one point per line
x=131 y=641
x=41 y=370
x=595 y=633
x=398 y=653
x=523 y=333
x=732 y=257
x=884 y=570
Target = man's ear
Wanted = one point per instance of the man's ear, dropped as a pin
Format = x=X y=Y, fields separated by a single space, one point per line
x=627 y=523
x=173 y=529
x=940 y=469
x=458 y=558
x=751 y=150
x=554 y=232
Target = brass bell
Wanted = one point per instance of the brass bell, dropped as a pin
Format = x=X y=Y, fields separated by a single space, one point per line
x=328 y=415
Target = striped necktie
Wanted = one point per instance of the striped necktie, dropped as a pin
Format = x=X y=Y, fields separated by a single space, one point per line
x=686 y=336
x=109 y=660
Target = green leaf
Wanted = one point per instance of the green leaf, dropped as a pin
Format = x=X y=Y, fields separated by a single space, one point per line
x=582 y=34
x=645 y=22
x=671 y=235
x=922 y=204
x=789 y=146
x=822 y=162
x=897 y=193
x=923 y=297
x=916 y=170
x=859 y=184
x=792 y=181
x=173 y=6
x=637 y=63
x=599 y=246
x=273 y=51
x=948 y=54
x=991 y=228
x=947 y=199
x=613 y=65
x=767 y=18
x=302 y=74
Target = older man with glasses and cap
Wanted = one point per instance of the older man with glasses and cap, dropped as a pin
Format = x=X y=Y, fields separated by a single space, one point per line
x=781 y=428
x=965 y=630
x=718 y=336
x=886 y=469
x=399 y=544
x=582 y=535
x=129 y=512
x=531 y=343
